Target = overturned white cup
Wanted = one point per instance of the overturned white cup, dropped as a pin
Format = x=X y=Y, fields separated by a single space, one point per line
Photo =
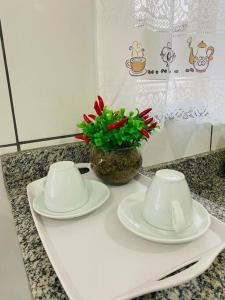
x=65 y=188
x=168 y=203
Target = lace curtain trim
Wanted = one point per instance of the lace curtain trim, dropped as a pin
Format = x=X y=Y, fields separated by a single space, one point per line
x=200 y=99
x=180 y=15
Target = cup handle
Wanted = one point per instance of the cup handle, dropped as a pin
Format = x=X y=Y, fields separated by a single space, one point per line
x=178 y=217
x=128 y=64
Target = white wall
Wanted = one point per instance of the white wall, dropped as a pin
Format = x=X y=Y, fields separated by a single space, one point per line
x=7 y=135
x=218 y=137
x=51 y=54
x=177 y=139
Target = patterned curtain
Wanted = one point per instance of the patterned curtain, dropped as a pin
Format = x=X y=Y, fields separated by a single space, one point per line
x=168 y=54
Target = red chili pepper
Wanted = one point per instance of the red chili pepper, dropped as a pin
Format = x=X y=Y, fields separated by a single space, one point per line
x=145 y=117
x=87 y=140
x=152 y=126
x=145 y=133
x=145 y=112
x=122 y=122
x=92 y=116
x=117 y=124
x=101 y=102
x=86 y=119
x=97 y=108
x=79 y=136
x=148 y=121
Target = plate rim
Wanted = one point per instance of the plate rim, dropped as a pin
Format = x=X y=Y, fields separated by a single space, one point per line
x=68 y=214
x=161 y=240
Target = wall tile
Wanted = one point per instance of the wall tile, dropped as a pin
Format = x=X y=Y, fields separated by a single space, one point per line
x=6 y=150
x=47 y=143
x=177 y=139
x=218 y=137
x=7 y=135
x=50 y=51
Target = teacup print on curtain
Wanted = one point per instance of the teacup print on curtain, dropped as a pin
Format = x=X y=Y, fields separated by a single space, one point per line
x=201 y=56
x=137 y=62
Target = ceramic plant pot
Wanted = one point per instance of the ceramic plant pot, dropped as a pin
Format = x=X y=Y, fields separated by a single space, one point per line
x=117 y=166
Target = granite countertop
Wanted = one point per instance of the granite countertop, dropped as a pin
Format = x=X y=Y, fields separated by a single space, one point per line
x=22 y=168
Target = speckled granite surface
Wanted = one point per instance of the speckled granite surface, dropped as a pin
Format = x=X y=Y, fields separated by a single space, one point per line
x=22 y=168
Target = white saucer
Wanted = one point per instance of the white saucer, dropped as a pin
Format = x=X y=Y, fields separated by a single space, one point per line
x=138 y=73
x=98 y=194
x=130 y=215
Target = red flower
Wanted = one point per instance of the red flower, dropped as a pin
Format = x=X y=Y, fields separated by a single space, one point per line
x=152 y=126
x=86 y=119
x=97 y=108
x=145 y=133
x=79 y=136
x=145 y=112
x=117 y=124
x=148 y=121
x=92 y=116
x=101 y=102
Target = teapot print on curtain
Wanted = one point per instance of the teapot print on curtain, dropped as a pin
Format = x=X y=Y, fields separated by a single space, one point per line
x=202 y=57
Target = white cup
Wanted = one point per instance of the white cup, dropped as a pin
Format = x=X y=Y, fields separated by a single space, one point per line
x=168 y=203
x=65 y=189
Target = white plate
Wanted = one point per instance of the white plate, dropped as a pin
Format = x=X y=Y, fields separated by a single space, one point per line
x=130 y=215
x=96 y=258
x=98 y=194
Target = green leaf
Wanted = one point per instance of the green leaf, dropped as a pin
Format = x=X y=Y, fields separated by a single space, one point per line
x=126 y=136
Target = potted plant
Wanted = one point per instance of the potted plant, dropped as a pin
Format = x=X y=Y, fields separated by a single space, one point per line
x=114 y=137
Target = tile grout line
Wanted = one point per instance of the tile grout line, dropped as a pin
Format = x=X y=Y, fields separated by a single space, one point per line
x=9 y=88
x=211 y=136
x=46 y=139
x=7 y=145
x=38 y=140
